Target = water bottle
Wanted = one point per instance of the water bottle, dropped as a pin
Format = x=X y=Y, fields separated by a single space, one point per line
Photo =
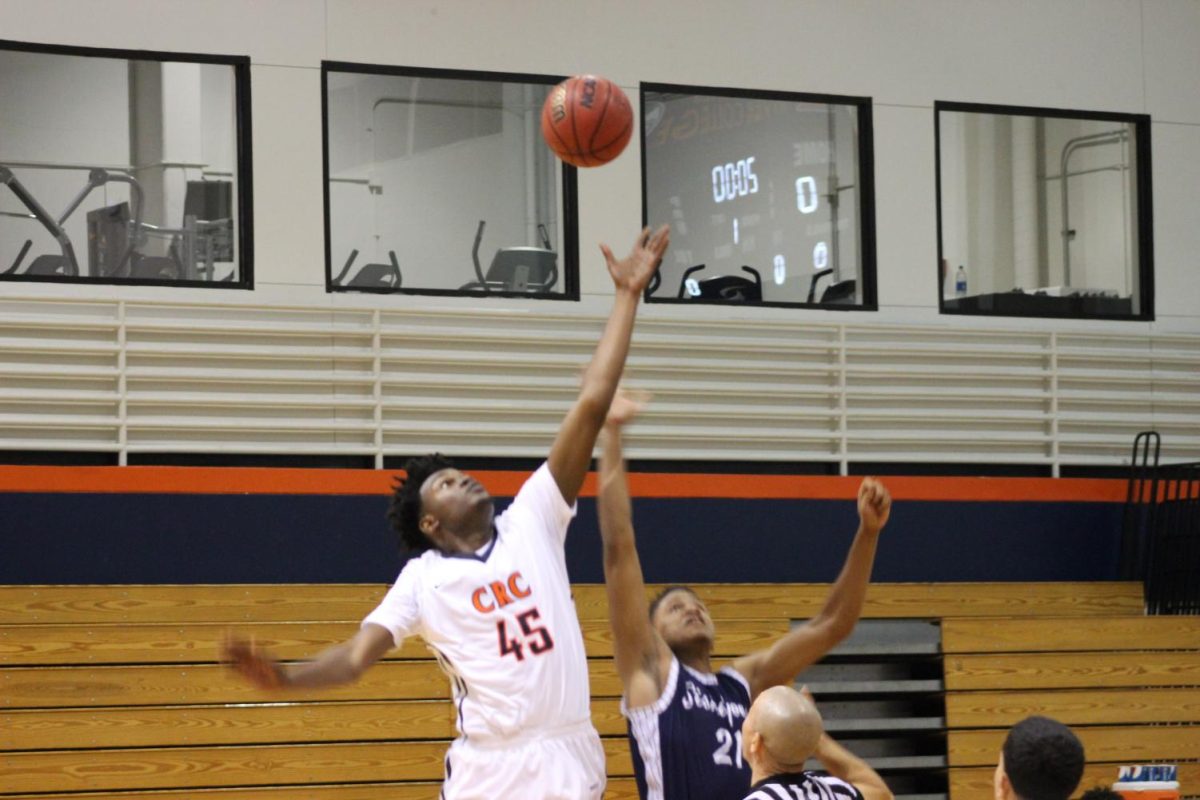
x=960 y=282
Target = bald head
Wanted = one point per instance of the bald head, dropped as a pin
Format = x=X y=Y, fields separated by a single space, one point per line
x=781 y=731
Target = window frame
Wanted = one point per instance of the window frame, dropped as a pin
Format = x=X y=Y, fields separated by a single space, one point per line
x=866 y=179
x=1143 y=194
x=568 y=188
x=243 y=200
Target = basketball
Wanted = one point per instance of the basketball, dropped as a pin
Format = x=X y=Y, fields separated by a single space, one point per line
x=587 y=120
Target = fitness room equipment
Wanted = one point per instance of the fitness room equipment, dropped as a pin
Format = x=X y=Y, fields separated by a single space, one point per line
x=730 y=288
x=372 y=276
x=112 y=250
x=836 y=293
x=515 y=269
x=205 y=237
x=64 y=265
x=110 y=245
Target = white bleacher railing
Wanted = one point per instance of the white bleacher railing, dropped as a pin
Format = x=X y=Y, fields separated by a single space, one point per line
x=131 y=376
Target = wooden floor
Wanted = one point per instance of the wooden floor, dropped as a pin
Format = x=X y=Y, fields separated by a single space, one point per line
x=114 y=691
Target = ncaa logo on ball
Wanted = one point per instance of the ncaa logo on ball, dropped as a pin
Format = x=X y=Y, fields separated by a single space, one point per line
x=559 y=106
x=589 y=93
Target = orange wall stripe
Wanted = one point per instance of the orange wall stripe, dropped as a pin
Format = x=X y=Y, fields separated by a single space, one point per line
x=503 y=483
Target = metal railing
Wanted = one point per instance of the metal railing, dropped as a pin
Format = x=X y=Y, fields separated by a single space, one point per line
x=1160 y=543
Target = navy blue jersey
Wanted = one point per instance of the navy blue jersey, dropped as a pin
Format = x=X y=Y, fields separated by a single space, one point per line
x=803 y=786
x=688 y=744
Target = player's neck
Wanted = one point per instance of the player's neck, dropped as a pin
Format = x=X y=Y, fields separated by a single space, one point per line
x=473 y=540
x=697 y=661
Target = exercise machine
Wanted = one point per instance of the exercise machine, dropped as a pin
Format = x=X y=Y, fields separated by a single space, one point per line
x=117 y=232
x=515 y=269
x=372 y=276
x=730 y=288
x=64 y=264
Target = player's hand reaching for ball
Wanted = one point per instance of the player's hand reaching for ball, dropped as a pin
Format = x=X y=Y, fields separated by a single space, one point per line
x=874 y=504
x=633 y=273
x=626 y=405
x=253 y=663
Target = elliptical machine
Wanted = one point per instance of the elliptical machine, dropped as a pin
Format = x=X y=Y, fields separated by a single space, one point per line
x=65 y=264
x=113 y=234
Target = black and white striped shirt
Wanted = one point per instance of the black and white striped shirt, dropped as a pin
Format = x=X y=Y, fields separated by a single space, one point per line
x=803 y=786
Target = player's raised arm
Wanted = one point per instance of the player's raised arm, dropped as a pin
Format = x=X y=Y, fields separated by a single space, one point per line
x=641 y=656
x=571 y=452
x=334 y=666
x=784 y=660
x=841 y=763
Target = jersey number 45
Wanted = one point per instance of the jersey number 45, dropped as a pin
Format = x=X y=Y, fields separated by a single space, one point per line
x=535 y=636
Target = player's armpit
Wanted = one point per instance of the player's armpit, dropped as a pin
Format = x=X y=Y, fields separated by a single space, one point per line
x=642 y=689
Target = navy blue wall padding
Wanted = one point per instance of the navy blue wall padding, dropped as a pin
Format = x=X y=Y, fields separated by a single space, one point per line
x=170 y=538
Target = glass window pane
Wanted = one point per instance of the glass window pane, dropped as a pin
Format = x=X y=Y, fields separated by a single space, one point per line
x=766 y=194
x=439 y=183
x=121 y=169
x=1043 y=214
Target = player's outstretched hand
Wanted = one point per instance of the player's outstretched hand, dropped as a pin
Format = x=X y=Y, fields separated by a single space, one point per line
x=633 y=272
x=874 y=504
x=256 y=665
x=626 y=405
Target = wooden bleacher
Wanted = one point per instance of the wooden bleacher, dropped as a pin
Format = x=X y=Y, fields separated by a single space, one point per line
x=1128 y=685
x=114 y=691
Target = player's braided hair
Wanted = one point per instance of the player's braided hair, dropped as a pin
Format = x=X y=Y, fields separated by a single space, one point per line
x=404 y=513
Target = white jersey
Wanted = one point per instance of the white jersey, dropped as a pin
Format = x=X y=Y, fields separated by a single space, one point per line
x=502 y=622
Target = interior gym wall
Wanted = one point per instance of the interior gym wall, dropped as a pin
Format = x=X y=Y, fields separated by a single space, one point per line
x=991 y=167
x=67 y=115
x=1109 y=55
x=161 y=117
x=419 y=183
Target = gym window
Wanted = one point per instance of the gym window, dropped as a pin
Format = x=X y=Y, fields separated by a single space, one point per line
x=439 y=182
x=769 y=196
x=1044 y=213
x=124 y=167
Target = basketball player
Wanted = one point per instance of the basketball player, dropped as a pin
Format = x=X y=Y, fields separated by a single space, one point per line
x=685 y=719
x=781 y=732
x=1041 y=760
x=490 y=596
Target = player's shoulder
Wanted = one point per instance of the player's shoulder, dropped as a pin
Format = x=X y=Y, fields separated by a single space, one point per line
x=417 y=566
x=730 y=677
x=540 y=483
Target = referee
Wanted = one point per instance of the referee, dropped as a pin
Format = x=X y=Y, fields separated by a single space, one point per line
x=781 y=732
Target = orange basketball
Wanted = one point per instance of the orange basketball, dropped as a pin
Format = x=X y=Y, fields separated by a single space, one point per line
x=587 y=120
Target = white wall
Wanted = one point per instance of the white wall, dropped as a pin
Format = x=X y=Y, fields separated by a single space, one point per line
x=67 y=115
x=416 y=178
x=1105 y=55
x=1117 y=55
x=168 y=117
